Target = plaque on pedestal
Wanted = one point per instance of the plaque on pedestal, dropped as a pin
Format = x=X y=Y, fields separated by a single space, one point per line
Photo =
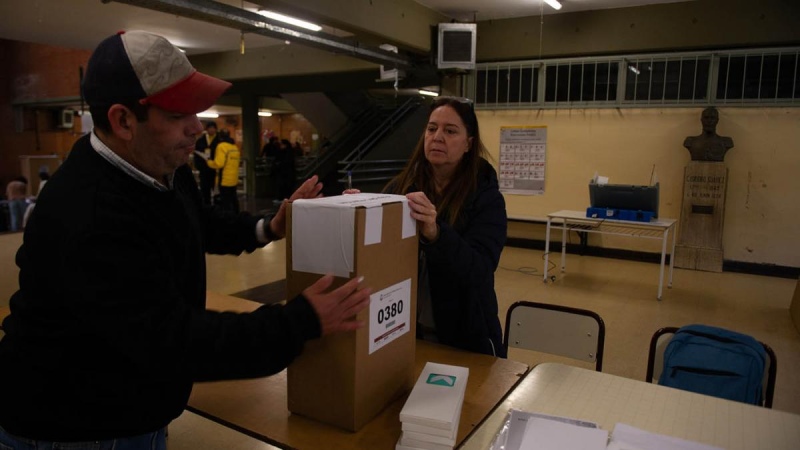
x=703 y=205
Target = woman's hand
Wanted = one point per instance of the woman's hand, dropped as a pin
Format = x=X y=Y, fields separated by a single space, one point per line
x=351 y=191
x=424 y=212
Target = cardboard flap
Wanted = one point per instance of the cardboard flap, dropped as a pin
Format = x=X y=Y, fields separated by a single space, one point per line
x=323 y=230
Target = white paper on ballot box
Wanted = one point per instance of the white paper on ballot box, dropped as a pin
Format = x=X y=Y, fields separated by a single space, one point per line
x=323 y=230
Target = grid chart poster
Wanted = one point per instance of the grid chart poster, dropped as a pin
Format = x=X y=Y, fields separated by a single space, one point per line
x=522 y=159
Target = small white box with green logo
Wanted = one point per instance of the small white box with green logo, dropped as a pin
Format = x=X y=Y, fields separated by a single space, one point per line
x=437 y=397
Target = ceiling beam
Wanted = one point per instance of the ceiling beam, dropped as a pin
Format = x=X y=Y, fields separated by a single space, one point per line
x=403 y=23
x=250 y=22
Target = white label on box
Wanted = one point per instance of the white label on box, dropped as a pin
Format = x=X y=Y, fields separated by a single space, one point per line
x=373 y=226
x=409 y=224
x=389 y=314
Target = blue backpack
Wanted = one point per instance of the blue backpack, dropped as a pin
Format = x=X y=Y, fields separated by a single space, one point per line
x=716 y=362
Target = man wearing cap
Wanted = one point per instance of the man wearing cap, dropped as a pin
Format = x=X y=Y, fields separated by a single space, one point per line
x=109 y=329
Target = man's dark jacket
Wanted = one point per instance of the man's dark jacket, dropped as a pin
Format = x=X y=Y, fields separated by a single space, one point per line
x=109 y=329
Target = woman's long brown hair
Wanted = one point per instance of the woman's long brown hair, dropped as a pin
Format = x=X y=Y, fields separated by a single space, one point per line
x=419 y=173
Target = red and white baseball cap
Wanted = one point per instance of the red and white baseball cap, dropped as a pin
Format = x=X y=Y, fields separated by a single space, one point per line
x=137 y=66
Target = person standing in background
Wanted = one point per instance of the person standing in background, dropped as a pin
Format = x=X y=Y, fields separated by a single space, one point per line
x=284 y=170
x=227 y=159
x=44 y=175
x=207 y=145
x=16 y=194
x=271 y=148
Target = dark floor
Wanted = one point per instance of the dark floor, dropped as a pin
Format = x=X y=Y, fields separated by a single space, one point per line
x=269 y=293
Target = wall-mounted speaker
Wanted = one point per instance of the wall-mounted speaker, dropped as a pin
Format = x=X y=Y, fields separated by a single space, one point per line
x=65 y=118
x=456 y=45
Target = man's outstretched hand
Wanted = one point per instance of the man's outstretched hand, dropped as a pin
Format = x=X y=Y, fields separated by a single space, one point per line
x=311 y=188
x=337 y=308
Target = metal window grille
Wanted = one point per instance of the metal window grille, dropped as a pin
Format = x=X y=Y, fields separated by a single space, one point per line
x=732 y=77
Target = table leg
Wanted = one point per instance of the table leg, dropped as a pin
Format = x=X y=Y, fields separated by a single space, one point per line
x=546 y=249
x=564 y=246
x=663 y=258
x=672 y=255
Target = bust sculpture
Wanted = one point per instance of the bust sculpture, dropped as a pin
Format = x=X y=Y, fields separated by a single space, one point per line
x=708 y=146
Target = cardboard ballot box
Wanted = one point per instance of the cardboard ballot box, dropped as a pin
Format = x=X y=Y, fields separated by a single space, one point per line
x=346 y=379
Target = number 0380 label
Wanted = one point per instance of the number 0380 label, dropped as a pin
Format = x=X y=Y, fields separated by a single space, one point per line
x=389 y=314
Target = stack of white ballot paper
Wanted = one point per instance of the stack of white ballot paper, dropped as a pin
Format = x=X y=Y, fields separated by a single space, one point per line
x=432 y=412
x=524 y=430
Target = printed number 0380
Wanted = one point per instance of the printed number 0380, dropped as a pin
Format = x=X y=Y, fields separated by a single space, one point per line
x=390 y=311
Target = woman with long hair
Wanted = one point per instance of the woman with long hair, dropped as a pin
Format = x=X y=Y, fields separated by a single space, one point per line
x=454 y=196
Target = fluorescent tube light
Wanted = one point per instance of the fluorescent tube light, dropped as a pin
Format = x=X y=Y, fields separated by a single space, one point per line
x=264 y=114
x=633 y=69
x=431 y=93
x=290 y=20
x=554 y=4
x=207 y=115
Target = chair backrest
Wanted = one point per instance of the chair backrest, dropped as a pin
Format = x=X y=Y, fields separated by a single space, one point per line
x=558 y=330
x=655 y=363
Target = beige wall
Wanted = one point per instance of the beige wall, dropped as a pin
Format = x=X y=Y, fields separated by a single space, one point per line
x=762 y=209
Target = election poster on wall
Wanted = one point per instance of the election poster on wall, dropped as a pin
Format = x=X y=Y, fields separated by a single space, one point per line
x=522 y=159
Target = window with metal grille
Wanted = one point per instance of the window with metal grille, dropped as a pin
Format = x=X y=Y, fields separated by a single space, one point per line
x=764 y=77
x=581 y=82
x=666 y=80
x=507 y=84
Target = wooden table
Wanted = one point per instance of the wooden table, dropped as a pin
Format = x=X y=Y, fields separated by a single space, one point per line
x=257 y=407
x=192 y=432
x=577 y=221
x=606 y=399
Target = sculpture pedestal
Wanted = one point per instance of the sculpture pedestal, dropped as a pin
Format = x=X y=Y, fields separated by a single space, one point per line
x=702 y=213
x=794 y=309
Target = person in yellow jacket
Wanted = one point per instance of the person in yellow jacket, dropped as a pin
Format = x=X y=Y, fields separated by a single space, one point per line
x=227 y=158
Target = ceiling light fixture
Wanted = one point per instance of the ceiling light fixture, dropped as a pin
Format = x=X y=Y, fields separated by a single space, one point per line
x=430 y=93
x=207 y=115
x=264 y=114
x=290 y=20
x=633 y=69
x=554 y=3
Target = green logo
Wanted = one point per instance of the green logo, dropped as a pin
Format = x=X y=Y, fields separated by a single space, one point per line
x=442 y=380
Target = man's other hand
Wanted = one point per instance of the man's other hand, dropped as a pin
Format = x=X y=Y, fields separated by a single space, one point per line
x=337 y=308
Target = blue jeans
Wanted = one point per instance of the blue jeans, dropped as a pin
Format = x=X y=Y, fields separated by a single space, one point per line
x=17 y=208
x=150 y=441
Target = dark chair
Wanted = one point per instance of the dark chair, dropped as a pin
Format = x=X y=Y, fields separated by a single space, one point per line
x=558 y=330
x=655 y=363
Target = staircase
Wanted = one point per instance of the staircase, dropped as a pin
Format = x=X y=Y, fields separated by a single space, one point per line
x=359 y=145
